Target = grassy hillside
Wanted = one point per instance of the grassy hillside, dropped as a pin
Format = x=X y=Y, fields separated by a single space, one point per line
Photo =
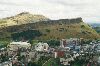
x=50 y=30
x=67 y=31
x=28 y=26
x=22 y=18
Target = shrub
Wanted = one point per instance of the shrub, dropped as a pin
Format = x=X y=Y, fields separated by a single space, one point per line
x=28 y=34
x=47 y=30
x=82 y=26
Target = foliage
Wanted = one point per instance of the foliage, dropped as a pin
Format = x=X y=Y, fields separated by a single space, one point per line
x=26 y=35
x=32 y=64
x=4 y=43
x=33 y=42
x=4 y=57
x=42 y=60
x=53 y=62
x=47 y=30
x=82 y=26
x=53 y=42
x=87 y=41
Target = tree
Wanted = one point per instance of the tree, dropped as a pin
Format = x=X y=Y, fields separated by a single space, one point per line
x=53 y=42
x=47 y=30
x=33 y=42
x=32 y=64
x=82 y=26
x=26 y=35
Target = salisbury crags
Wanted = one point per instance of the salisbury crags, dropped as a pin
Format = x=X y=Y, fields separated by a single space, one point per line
x=43 y=28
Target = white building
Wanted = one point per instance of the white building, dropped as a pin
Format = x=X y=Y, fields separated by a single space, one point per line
x=7 y=63
x=67 y=59
x=66 y=42
x=41 y=47
x=15 y=45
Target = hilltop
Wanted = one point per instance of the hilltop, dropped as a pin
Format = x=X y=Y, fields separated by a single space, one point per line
x=42 y=28
x=22 y=18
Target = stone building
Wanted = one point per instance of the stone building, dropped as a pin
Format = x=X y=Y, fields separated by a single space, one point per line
x=14 y=46
x=42 y=47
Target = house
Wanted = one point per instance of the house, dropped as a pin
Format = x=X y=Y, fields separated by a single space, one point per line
x=7 y=63
x=16 y=45
x=42 y=47
x=59 y=54
x=71 y=41
x=65 y=60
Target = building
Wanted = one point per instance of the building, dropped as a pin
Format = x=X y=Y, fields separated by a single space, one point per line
x=42 y=47
x=59 y=54
x=66 y=60
x=7 y=63
x=71 y=41
x=16 y=45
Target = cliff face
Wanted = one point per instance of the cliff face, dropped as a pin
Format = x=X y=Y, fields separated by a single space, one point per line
x=35 y=25
x=63 y=21
x=50 y=29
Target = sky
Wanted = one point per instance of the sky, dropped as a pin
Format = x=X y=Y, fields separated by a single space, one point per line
x=89 y=10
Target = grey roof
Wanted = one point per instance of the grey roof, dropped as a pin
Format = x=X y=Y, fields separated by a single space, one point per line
x=7 y=63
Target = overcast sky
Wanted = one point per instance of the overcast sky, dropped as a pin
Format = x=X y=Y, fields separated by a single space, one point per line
x=89 y=10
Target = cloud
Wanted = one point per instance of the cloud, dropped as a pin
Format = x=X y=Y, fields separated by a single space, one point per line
x=54 y=9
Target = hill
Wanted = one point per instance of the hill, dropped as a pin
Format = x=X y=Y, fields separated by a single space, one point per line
x=43 y=28
x=22 y=18
x=96 y=26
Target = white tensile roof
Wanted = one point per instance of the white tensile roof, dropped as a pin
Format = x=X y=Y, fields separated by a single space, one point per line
x=20 y=43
